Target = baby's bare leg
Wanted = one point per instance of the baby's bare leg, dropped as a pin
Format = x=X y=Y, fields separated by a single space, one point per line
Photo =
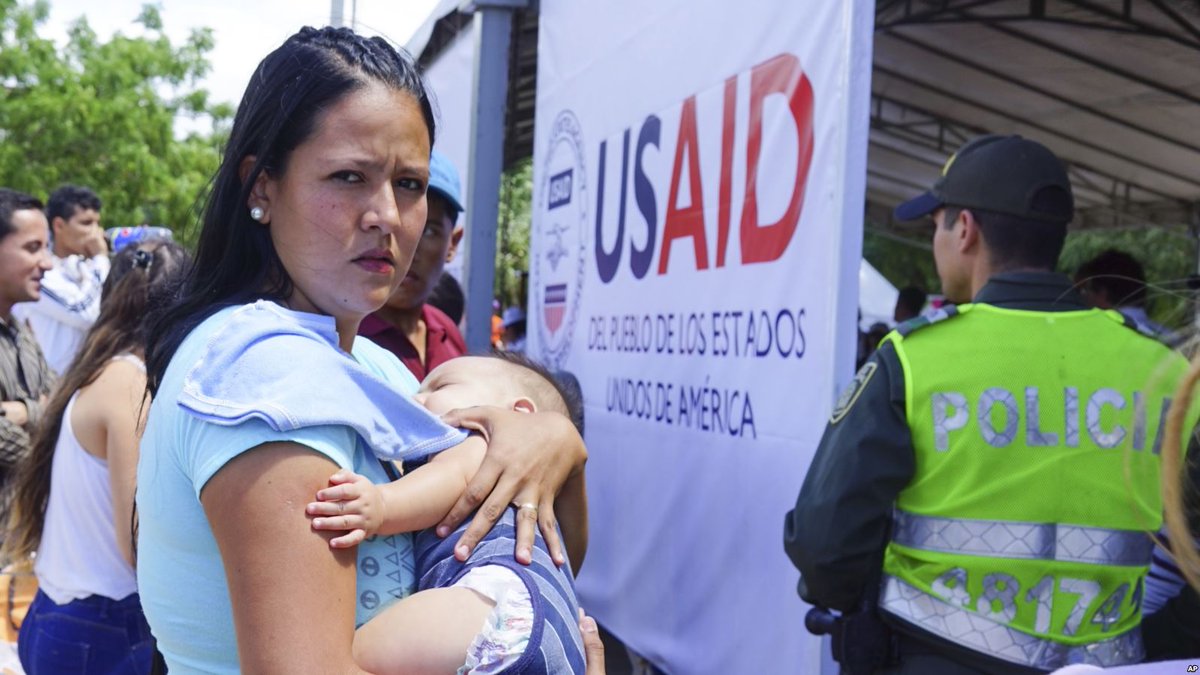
x=427 y=632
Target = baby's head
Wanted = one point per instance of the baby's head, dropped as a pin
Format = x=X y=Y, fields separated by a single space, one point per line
x=505 y=379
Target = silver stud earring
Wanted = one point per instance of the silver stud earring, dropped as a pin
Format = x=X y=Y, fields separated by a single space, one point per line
x=257 y=213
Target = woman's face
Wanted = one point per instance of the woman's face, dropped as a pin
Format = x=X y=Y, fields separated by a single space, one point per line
x=346 y=214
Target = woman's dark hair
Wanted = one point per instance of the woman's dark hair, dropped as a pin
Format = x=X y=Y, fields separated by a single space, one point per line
x=140 y=277
x=281 y=109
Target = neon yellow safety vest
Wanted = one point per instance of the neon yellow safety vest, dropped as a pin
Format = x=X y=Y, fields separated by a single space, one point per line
x=1024 y=532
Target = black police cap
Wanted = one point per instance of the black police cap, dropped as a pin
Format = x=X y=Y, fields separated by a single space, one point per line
x=1002 y=174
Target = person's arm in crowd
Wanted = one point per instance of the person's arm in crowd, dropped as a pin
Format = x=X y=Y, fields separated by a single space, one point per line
x=1173 y=632
x=26 y=411
x=530 y=459
x=18 y=412
x=836 y=534
x=292 y=595
x=14 y=446
x=33 y=408
x=71 y=291
x=121 y=389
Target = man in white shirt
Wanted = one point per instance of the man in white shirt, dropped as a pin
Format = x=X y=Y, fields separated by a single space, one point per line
x=70 y=300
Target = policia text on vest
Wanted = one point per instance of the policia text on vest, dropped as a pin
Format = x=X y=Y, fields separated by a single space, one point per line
x=1108 y=416
x=1023 y=535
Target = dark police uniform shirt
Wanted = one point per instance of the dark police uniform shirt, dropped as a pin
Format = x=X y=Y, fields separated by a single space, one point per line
x=837 y=533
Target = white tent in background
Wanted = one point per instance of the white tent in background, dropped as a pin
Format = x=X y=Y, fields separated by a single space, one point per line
x=876 y=296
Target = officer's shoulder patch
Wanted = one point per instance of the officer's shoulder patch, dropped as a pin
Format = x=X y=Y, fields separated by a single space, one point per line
x=852 y=391
x=925 y=320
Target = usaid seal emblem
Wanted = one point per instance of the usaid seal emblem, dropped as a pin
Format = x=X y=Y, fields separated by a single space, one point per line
x=559 y=226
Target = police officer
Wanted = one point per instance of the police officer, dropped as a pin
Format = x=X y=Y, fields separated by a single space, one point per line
x=988 y=479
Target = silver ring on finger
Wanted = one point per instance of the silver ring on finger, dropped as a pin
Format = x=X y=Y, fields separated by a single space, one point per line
x=527 y=505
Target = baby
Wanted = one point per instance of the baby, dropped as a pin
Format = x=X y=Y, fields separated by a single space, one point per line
x=528 y=613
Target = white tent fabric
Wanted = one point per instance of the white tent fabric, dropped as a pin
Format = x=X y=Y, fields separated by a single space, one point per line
x=1111 y=87
x=876 y=296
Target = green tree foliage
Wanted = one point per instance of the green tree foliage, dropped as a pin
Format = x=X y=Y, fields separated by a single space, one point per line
x=1169 y=256
x=103 y=114
x=512 y=238
x=904 y=261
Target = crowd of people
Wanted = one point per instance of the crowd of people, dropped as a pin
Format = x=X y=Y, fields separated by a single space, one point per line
x=209 y=472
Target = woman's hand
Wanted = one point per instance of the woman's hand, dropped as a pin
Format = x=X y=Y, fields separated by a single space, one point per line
x=593 y=647
x=529 y=457
x=353 y=504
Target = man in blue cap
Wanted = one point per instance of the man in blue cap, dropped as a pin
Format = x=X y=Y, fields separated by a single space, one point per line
x=981 y=499
x=421 y=335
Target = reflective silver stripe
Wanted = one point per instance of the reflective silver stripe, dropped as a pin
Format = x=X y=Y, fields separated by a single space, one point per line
x=1029 y=541
x=984 y=635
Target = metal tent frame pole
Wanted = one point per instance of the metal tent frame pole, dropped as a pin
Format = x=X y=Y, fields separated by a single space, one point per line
x=494 y=21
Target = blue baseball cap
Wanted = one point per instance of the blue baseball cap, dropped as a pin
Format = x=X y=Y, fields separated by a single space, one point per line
x=120 y=237
x=443 y=180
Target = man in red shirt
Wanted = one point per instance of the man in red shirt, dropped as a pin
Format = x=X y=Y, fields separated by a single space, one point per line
x=421 y=335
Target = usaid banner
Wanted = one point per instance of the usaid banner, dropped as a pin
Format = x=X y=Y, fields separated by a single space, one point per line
x=698 y=200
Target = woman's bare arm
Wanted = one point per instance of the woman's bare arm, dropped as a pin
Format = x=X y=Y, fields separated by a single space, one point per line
x=293 y=596
x=117 y=394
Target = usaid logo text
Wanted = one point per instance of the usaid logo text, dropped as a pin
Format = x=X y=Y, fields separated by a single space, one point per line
x=751 y=139
x=560 y=189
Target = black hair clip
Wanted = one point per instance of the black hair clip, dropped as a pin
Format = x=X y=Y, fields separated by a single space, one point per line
x=142 y=258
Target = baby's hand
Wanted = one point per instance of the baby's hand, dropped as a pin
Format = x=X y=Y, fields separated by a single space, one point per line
x=351 y=503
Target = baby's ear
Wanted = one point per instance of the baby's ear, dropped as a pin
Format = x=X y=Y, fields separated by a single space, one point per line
x=524 y=404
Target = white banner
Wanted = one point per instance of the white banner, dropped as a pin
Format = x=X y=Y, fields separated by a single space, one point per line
x=698 y=202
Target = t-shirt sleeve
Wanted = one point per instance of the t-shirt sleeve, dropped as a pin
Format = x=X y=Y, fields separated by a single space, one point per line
x=212 y=446
x=385 y=365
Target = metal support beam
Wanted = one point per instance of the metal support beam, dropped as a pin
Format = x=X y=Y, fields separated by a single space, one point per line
x=1188 y=179
x=1194 y=229
x=924 y=137
x=908 y=16
x=494 y=20
x=929 y=130
x=1042 y=91
x=892 y=15
x=1102 y=66
x=1186 y=40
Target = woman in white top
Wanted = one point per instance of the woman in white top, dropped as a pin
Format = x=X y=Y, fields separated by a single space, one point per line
x=73 y=495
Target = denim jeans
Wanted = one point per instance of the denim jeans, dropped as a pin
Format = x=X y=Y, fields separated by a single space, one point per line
x=90 y=636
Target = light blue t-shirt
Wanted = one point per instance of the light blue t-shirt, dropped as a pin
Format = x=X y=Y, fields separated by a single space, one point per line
x=181 y=578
